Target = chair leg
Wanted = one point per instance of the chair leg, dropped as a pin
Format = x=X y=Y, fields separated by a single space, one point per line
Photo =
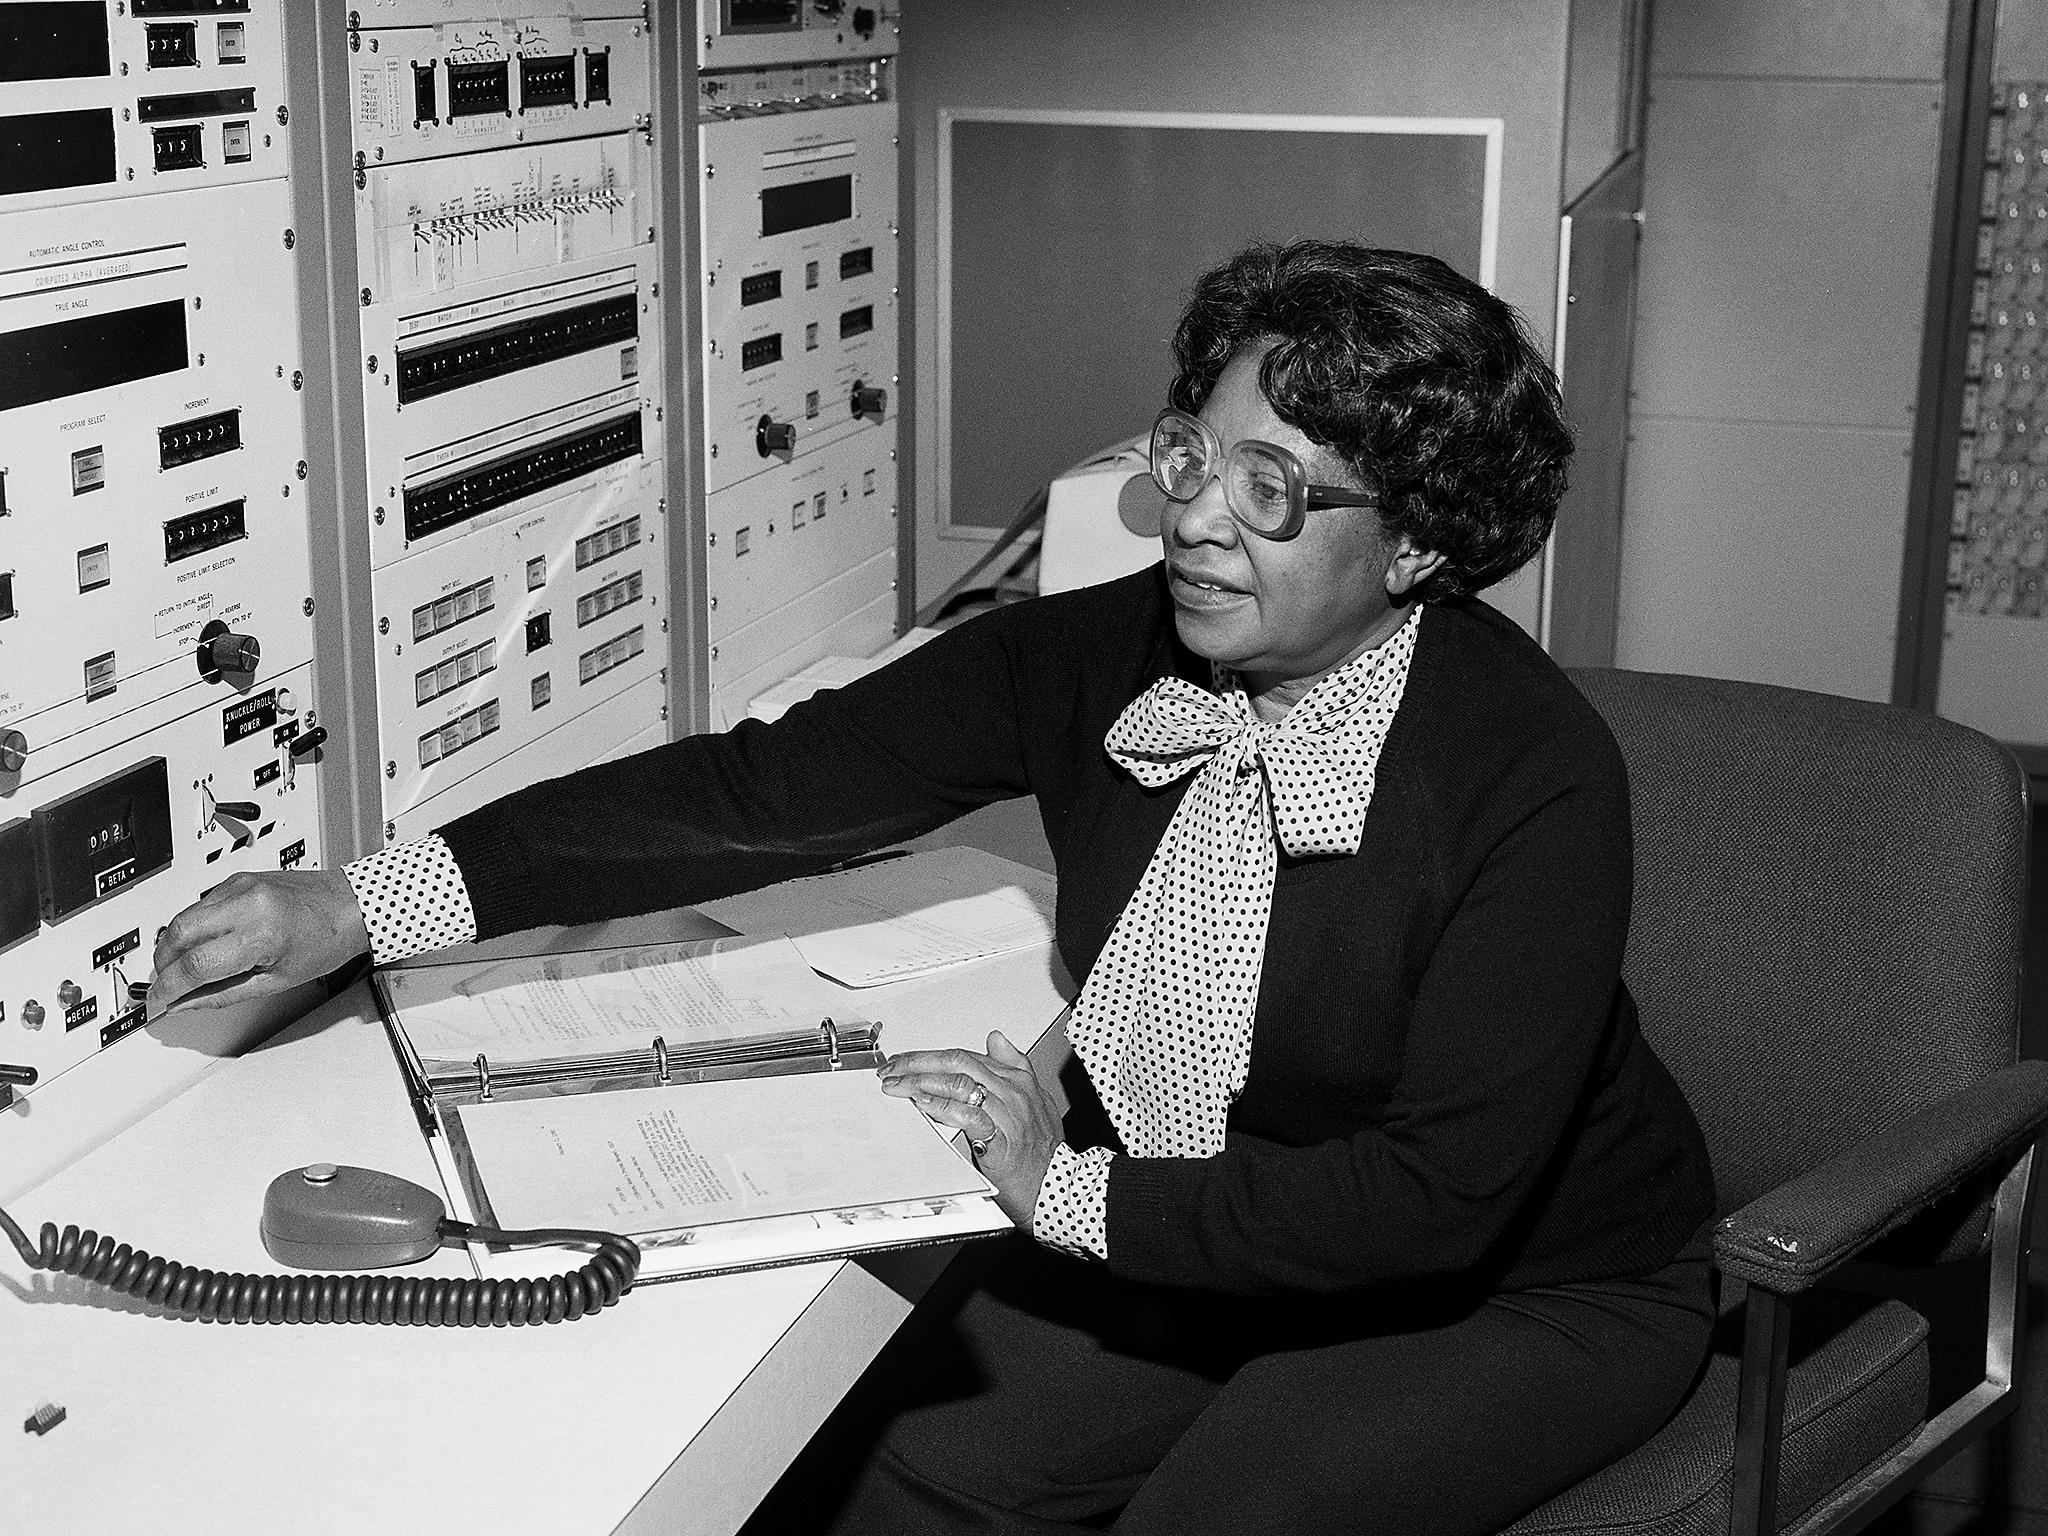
x=1760 y=1413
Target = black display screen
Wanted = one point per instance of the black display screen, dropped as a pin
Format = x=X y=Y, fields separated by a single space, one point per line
x=53 y=40
x=70 y=357
x=41 y=151
x=802 y=204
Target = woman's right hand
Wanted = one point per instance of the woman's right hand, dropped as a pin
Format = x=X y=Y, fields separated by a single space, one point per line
x=256 y=934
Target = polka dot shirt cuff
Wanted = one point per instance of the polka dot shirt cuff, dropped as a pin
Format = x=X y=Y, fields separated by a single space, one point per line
x=413 y=899
x=1073 y=1202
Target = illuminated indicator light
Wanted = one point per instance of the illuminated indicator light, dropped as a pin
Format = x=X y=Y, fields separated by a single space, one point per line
x=95 y=568
x=88 y=470
x=100 y=676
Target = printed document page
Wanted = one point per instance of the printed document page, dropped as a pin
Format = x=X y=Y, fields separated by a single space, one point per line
x=900 y=917
x=542 y=1006
x=658 y=1159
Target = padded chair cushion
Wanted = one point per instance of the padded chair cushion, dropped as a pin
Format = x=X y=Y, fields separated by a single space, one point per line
x=1827 y=918
x=1864 y=1386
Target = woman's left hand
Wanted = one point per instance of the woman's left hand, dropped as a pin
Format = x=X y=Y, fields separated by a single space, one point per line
x=1010 y=1118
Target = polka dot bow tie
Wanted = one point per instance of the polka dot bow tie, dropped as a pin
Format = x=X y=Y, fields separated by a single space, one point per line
x=1164 y=1021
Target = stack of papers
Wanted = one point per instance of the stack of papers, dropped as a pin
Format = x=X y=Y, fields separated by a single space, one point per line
x=901 y=916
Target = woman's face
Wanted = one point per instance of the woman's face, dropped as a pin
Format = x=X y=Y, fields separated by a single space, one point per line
x=1281 y=613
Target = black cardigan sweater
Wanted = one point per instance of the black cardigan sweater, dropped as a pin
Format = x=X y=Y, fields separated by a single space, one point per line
x=1447 y=1088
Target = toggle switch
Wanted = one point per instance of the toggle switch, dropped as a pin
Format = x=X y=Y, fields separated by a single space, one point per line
x=772 y=436
x=238 y=810
x=306 y=743
x=222 y=650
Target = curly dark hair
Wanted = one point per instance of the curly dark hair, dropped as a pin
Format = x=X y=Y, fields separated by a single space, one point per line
x=1428 y=386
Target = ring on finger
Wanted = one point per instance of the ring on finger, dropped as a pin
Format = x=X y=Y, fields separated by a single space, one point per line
x=980 y=1144
x=976 y=1099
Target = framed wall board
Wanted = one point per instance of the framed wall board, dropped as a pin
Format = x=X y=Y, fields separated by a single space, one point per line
x=1069 y=240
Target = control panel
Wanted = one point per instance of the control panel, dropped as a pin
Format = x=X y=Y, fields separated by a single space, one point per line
x=1998 y=550
x=797 y=130
x=158 y=721
x=108 y=100
x=511 y=329
x=1995 y=629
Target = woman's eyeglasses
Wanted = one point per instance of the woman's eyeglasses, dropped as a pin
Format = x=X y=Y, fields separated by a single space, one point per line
x=1264 y=485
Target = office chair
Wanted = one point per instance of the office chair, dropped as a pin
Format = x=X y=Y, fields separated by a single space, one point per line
x=1826 y=945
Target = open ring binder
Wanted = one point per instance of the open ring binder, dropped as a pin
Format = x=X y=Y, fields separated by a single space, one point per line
x=732 y=1148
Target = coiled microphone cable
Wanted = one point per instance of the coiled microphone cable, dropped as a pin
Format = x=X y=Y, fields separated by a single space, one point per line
x=346 y=1298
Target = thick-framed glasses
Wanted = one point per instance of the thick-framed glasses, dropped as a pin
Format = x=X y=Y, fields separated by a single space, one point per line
x=1264 y=485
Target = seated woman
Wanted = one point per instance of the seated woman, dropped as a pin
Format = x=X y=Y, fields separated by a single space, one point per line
x=1372 y=1210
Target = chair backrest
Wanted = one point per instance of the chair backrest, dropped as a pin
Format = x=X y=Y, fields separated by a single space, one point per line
x=1829 y=907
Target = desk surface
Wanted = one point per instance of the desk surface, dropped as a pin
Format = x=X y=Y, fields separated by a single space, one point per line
x=675 y=1410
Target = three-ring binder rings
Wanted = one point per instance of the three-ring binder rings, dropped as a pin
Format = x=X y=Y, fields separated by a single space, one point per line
x=712 y=1100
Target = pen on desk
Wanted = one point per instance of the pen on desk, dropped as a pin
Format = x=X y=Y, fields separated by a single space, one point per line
x=879 y=856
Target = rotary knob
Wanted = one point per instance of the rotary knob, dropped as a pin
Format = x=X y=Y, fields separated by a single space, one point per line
x=13 y=751
x=222 y=650
x=772 y=436
x=870 y=401
x=70 y=995
x=31 y=1014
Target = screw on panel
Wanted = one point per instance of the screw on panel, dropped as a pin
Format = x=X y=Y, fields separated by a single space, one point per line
x=290 y=239
x=284 y=115
x=383 y=626
x=302 y=469
x=298 y=379
x=307 y=607
x=378 y=517
x=366 y=298
x=390 y=831
x=372 y=362
x=390 y=769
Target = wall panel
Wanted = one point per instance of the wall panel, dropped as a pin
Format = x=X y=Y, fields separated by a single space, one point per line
x=1785 y=238
x=1767 y=553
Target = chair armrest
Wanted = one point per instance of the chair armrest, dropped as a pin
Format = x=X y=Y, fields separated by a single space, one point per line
x=1788 y=1239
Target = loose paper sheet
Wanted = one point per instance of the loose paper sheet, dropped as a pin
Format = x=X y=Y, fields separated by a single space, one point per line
x=904 y=916
x=542 y=1006
x=654 y=1160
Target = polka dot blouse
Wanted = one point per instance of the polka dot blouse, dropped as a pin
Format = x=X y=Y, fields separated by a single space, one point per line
x=1164 y=1021
x=413 y=899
